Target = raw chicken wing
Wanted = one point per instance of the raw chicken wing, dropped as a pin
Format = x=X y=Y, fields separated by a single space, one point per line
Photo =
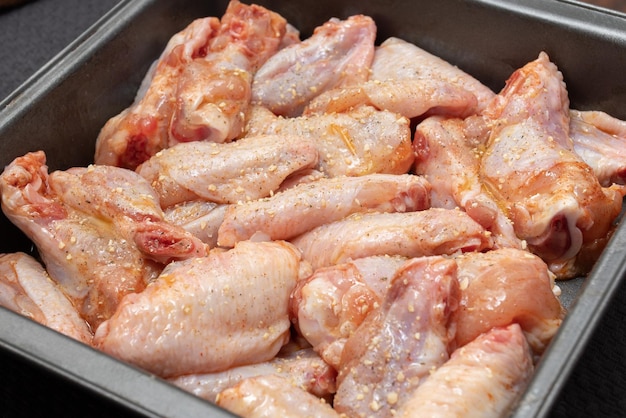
x=398 y=345
x=600 y=140
x=246 y=169
x=214 y=91
x=304 y=368
x=447 y=158
x=26 y=289
x=142 y=129
x=329 y=305
x=338 y=54
x=552 y=197
x=303 y=207
x=207 y=314
x=273 y=396
x=362 y=141
x=495 y=289
x=428 y=232
x=397 y=59
x=481 y=380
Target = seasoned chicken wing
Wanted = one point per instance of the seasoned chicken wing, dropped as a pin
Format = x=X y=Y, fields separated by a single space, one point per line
x=273 y=396
x=362 y=141
x=432 y=231
x=303 y=207
x=480 y=380
x=338 y=54
x=99 y=229
x=447 y=157
x=529 y=164
x=207 y=314
x=199 y=89
x=411 y=62
x=303 y=367
x=142 y=129
x=328 y=306
x=26 y=288
x=600 y=140
x=495 y=288
x=398 y=345
x=246 y=169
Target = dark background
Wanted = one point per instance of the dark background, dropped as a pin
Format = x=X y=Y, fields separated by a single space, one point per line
x=32 y=32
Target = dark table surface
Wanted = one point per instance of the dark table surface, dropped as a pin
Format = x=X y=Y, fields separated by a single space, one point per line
x=32 y=33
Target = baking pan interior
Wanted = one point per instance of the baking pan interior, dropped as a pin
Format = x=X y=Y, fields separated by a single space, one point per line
x=61 y=109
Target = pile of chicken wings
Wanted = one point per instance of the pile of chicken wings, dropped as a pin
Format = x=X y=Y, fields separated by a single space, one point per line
x=321 y=227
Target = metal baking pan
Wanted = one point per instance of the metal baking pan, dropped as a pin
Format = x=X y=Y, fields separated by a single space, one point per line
x=62 y=108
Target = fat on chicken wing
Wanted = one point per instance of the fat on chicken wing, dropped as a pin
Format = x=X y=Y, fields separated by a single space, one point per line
x=199 y=89
x=480 y=380
x=432 y=231
x=398 y=345
x=207 y=314
x=247 y=169
x=273 y=396
x=448 y=158
x=304 y=368
x=362 y=141
x=26 y=288
x=495 y=288
x=301 y=208
x=529 y=164
x=328 y=306
x=99 y=229
x=338 y=54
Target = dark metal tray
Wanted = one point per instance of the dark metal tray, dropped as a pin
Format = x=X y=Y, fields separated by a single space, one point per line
x=62 y=107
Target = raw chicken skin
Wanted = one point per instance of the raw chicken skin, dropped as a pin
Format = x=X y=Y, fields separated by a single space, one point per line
x=207 y=314
x=398 y=345
x=495 y=288
x=99 y=230
x=246 y=169
x=600 y=140
x=172 y=106
x=26 y=288
x=362 y=141
x=338 y=54
x=481 y=380
x=447 y=158
x=301 y=208
x=328 y=306
x=432 y=231
x=304 y=368
x=552 y=197
x=272 y=396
